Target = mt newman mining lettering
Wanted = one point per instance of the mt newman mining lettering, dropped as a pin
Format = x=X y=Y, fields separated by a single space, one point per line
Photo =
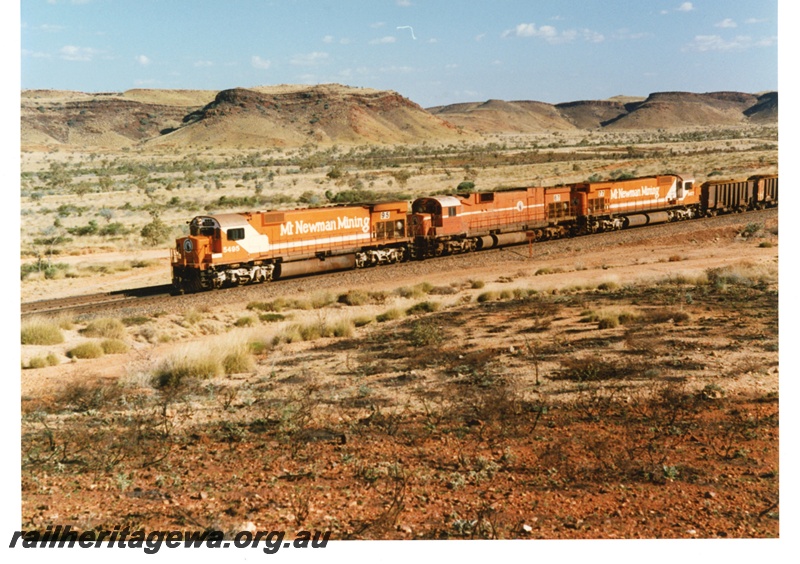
x=301 y=227
x=618 y=193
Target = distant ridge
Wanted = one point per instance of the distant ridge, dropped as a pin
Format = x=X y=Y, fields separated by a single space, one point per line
x=660 y=110
x=296 y=115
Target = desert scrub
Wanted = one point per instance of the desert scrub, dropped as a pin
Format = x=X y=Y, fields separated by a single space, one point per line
x=43 y=361
x=176 y=370
x=665 y=315
x=245 y=321
x=38 y=331
x=312 y=331
x=135 y=320
x=107 y=327
x=608 y=318
x=389 y=315
x=238 y=361
x=744 y=274
x=114 y=346
x=490 y=296
x=199 y=362
x=423 y=307
x=418 y=291
x=362 y=297
x=271 y=317
x=89 y=349
x=191 y=317
x=363 y=320
x=354 y=298
x=425 y=333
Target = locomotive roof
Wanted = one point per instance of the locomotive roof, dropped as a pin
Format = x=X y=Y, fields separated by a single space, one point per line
x=227 y=220
x=445 y=201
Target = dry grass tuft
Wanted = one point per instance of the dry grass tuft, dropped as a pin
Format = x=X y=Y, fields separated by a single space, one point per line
x=107 y=327
x=39 y=331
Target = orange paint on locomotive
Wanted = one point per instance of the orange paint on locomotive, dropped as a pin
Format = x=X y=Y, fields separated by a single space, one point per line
x=289 y=235
x=634 y=195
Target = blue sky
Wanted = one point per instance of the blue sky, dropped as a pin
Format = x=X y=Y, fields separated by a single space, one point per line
x=432 y=51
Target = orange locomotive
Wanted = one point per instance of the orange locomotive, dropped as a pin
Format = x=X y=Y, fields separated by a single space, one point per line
x=617 y=204
x=238 y=248
x=469 y=222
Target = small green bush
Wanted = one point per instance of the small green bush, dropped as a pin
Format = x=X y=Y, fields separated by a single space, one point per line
x=271 y=317
x=37 y=331
x=245 y=321
x=423 y=307
x=176 y=371
x=363 y=321
x=416 y=291
x=490 y=296
x=114 y=346
x=43 y=361
x=389 y=315
x=354 y=298
x=108 y=327
x=425 y=333
x=135 y=320
x=238 y=361
x=89 y=349
x=608 y=322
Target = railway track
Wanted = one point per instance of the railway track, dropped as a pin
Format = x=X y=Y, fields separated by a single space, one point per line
x=90 y=302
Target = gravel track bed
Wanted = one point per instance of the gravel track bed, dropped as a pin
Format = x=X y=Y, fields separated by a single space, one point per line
x=506 y=260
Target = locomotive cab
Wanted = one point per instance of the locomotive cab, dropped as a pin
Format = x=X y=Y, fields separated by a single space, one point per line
x=437 y=216
x=201 y=242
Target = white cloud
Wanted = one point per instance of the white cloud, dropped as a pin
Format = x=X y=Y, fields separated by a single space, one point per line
x=686 y=7
x=403 y=3
x=726 y=23
x=143 y=60
x=50 y=28
x=706 y=43
x=383 y=40
x=260 y=63
x=551 y=34
x=592 y=36
x=330 y=39
x=74 y=53
x=201 y=64
x=35 y=54
x=309 y=59
x=395 y=69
